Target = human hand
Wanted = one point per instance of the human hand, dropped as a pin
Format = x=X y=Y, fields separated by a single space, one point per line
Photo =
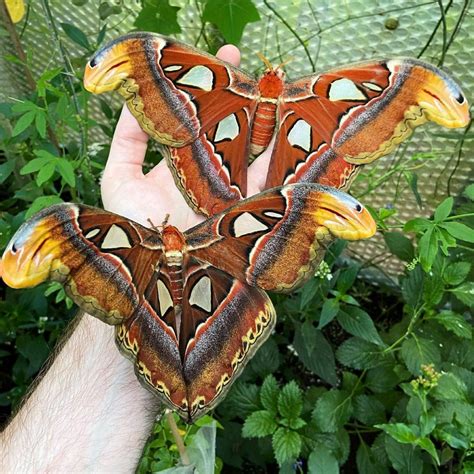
x=127 y=191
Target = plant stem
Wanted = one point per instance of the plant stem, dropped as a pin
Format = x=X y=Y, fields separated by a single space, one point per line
x=178 y=439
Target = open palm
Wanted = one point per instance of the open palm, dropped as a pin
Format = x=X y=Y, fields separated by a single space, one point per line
x=127 y=191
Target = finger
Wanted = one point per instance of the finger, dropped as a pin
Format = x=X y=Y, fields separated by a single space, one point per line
x=258 y=170
x=230 y=54
x=128 y=147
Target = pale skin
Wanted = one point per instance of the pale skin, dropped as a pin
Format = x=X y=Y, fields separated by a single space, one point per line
x=89 y=413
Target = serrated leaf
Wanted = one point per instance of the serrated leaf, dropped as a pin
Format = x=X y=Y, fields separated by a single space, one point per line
x=332 y=410
x=417 y=351
x=66 y=170
x=23 y=123
x=459 y=231
x=286 y=445
x=158 y=16
x=41 y=203
x=328 y=312
x=231 y=17
x=444 y=209
x=322 y=461
x=412 y=286
x=347 y=278
x=358 y=323
x=455 y=323
x=453 y=437
x=259 y=424
x=450 y=387
x=267 y=359
x=404 y=458
x=465 y=293
x=456 y=273
x=359 y=354
x=76 y=35
x=269 y=394
x=433 y=289
x=315 y=352
x=244 y=399
x=400 y=245
x=367 y=462
x=368 y=410
x=290 y=401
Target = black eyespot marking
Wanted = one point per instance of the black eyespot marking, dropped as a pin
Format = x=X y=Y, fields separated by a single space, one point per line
x=93 y=62
x=358 y=208
x=13 y=249
x=459 y=97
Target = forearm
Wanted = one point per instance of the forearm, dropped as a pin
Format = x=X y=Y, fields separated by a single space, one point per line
x=89 y=413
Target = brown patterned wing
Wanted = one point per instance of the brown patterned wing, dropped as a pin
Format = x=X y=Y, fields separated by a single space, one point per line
x=275 y=239
x=175 y=91
x=211 y=172
x=332 y=122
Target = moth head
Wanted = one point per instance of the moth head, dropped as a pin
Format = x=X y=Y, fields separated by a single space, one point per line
x=343 y=216
x=31 y=255
x=110 y=66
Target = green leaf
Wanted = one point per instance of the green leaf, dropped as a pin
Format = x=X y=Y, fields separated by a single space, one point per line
x=6 y=169
x=450 y=387
x=332 y=410
x=412 y=286
x=269 y=394
x=456 y=273
x=23 y=123
x=40 y=124
x=428 y=248
x=315 y=352
x=259 y=424
x=400 y=245
x=45 y=173
x=66 y=170
x=367 y=462
x=158 y=16
x=267 y=359
x=290 y=401
x=412 y=180
x=433 y=289
x=358 y=323
x=231 y=17
x=322 y=461
x=243 y=399
x=41 y=203
x=401 y=432
x=35 y=165
x=404 y=458
x=286 y=445
x=417 y=351
x=465 y=293
x=459 y=231
x=34 y=349
x=347 y=278
x=453 y=437
x=419 y=224
x=469 y=192
x=455 y=323
x=368 y=410
x=444 y=209
x=106 y=10
x=328 y=312
x=359 y=354
x=76 y=35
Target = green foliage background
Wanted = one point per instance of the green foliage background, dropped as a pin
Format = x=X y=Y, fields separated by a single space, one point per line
x=357 y=376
